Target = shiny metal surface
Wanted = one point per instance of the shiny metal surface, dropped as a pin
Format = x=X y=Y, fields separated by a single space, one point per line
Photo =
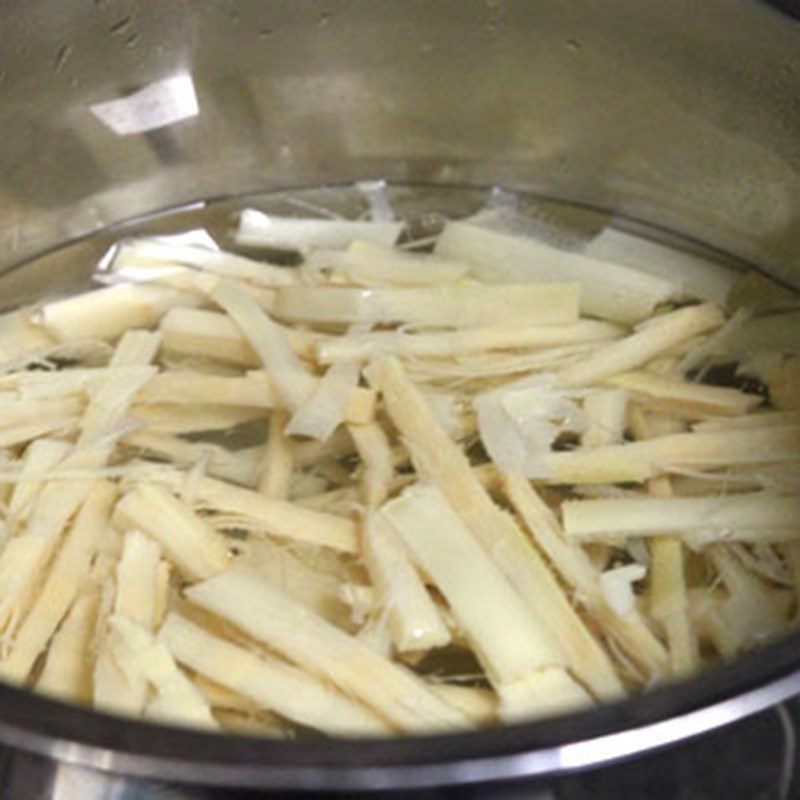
x=678 y=113
x=681 y=113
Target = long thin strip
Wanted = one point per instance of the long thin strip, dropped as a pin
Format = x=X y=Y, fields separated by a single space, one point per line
x=639 y=461
x=525 y=304
x=440 y=459
x=40 y=456
x=365 y=346
x=154 y=253
x=760 y=419
x=254 y=390
x=504 y=634
x=137 y=578
x=276 y=465
x=268 y=682
x=257 y=229
x=601 y=520
x=209 y=334
x=576 y=569
x=237 y=466
x=668 y=596
x=67 y=672
x=683 y=398
x=479 y=704
x=112 y=396
x=27 y=555
x=377 y=460
x=177 y=418
x=189 y=542
x=372 y=264
x=278 y=517
x=15 y=413
x=292 y=380
x=178 y=700
x=414 y=620
x=107 y=313
x=650 y=340
x=611 y=291
x=69 y=571
x=20 y=434
x=20 y=337
x=270 y=616
x=699 y=276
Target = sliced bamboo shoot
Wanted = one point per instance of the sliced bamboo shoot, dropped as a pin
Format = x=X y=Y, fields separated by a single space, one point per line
x=414 y=621
x=178 y=700
x=439 y=459
x=661 y=393
x=41 y=456
x=237 y=466
x=257 y=229
x=292 y=380
x=250 y=602
x=107 y=313
x=276 y=466
x=480 y=705
x=187 y=540
x=365 y=346
x=526 y=304
x=278 y=517
x=375 y=452
x=576 y=569
x=373 y=264
x=639 y=461
x=210 y=334
x=67 y=575
x=505 y=636
x=268 y=682
x=67 y=672
x=254 y=390
x=698 y=276
x=141 y=255
x=611 y=291
x=137 y=579
x=177 y=418
x=604 y=520
x=657 y=336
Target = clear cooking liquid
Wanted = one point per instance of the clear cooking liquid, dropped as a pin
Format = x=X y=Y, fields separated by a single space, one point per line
x=722 y=575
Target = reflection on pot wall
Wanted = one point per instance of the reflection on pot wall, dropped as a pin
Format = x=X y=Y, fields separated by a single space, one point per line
x=678 y=113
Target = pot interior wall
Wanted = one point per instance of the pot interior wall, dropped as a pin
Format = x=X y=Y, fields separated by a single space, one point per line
x=680 y=114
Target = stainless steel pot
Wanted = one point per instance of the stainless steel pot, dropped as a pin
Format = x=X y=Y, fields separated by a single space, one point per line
x=677 y=113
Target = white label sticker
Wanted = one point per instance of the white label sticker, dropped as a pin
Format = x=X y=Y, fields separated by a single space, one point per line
x=155 y=106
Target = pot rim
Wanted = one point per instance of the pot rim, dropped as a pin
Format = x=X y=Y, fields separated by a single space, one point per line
x=549 y=747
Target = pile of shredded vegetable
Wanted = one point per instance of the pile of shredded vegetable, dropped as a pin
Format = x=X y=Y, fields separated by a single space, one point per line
x=396 y=488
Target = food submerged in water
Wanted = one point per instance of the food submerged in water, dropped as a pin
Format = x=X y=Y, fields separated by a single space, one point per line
x=394 y=489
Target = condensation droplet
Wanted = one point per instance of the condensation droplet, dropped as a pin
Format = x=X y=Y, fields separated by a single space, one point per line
x=61 y=58
x=120 y=25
